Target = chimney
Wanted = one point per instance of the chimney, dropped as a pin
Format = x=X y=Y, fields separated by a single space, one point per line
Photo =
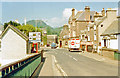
x=111 y=13
x=73 y=12
x=87 y=13
x=87 y=8
x=103 y=12
x=97 y=15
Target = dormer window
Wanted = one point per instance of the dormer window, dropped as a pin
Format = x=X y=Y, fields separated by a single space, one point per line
x=90 y=17
x=101 y=25
x=94 y=27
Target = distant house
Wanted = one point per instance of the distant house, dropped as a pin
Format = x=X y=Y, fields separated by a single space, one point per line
x=14 y=43
x=51 y=39
x=110 y=40
x=64 y=37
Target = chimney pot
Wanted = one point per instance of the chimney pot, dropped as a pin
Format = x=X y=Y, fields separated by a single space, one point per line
x=73 y=12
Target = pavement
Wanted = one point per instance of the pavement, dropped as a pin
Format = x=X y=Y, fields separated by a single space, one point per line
x=98 y=57
x=49 y=67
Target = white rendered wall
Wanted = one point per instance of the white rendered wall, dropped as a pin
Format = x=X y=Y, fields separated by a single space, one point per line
x=118 y=42
x=114 y=43
x=13 y=46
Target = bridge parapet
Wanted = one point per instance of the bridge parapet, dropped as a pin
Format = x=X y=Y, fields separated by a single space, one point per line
x=22 y=68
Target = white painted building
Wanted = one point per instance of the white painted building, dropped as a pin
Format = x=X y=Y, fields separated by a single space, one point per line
x=103 y=23
x=110 y=37
x=14 y=44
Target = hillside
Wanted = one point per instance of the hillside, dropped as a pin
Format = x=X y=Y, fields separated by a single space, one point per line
x=42 y=24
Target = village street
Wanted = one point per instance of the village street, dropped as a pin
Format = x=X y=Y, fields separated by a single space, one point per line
x=77 y=64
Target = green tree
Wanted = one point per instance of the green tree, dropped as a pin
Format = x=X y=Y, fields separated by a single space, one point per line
x=11 y=23
x=28 y=28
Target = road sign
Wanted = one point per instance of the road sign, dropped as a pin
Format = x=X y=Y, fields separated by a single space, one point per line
x=35 y=36
x=72 y=43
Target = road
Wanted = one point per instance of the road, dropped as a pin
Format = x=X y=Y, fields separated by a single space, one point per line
x=75 y=64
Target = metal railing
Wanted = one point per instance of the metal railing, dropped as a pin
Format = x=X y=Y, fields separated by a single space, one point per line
x=22 y=68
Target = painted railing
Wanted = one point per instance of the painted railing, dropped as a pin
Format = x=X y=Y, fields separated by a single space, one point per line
x=24 y=68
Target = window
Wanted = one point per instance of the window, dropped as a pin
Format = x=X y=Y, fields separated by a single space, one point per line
x=74 y=34
x=90 y=17
x=95 y=37
x=88 y=38
x=34 y=38
x=99 y=43
x=66 y=43
x=34 y=34
x=104 y=42
x=94 y=27
x=101 y=25
x=83 y=37
x=88 y=28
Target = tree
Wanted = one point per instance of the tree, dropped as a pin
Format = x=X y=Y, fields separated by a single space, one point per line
x=11 y=23
x=28 y=28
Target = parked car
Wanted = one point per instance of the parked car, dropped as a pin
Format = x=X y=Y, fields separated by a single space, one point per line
x=48 y=45
x=53 y=45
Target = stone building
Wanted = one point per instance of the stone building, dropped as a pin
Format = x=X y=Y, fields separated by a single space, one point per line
x=80 y=21
x=51 y=39
x=78 y=25
x=64 y=37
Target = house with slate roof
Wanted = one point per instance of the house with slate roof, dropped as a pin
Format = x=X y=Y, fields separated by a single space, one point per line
x=14 y=43
x=79 y=21
x=102 y=23
x=64 y=37
x=110 y=40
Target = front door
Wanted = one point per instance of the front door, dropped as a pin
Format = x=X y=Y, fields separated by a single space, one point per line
x=60 y=43
x=104 y=42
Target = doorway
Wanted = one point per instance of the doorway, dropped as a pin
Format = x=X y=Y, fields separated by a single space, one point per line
x=60 y=44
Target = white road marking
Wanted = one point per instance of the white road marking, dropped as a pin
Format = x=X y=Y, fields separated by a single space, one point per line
x=75 y=59
x=58 y=66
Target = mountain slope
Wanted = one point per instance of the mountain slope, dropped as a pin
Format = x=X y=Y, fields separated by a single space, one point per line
x=42 y=24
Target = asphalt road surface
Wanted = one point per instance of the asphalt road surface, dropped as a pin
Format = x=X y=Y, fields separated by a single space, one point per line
x=74 y=64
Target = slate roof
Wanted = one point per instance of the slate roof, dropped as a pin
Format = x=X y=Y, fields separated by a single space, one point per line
x=15 y=30
x=82 y=16
x=112 y=29
x=76 y=16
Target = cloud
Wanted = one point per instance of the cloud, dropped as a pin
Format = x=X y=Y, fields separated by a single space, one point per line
x=60 y=21
x=68 y=12
x=56 y=22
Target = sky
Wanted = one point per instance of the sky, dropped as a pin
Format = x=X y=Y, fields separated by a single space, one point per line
x=55 y=14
